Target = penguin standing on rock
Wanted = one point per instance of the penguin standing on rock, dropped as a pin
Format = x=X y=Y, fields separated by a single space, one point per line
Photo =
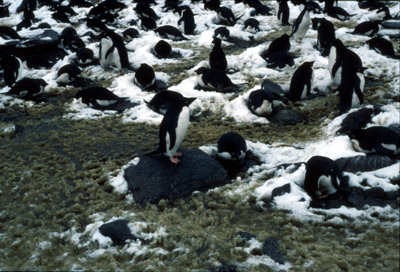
x=13 y=69
x=231 y=146
x=302 y=24
x=217 y=57
x=283 y=12
x=300 y=85
x=173 y=129
x=322 y=178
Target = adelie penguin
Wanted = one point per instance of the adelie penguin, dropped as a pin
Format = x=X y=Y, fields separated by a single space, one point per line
x=170 y=32
x=300 y=84
x=338 y=13
x=103 y=99
x=378 y=139
x=173 y=129
x=217 y=57
x=129 y=34
x=302 y=24
x=119 y=53
x=323 y=177
x=68 y=73
x=162 y=49
x=85 y=56
x=336 y=53
x=262 y=102
x=188 y=20
x=369 y=28
x=215 y=80
x=145 y=77
x=281 y=44
x=163 y=100
x=13 y=69
x=226 y=16
x=326 y=34
x=280 y=60
x=222 y=32
x=232 y=147
x=283 y=12
x=383 y=47
x=252 y=25
x=27 y=88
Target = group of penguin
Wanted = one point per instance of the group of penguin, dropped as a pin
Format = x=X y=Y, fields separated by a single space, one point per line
x=345 y=67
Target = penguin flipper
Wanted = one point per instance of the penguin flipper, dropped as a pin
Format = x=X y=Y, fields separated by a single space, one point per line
x=380 y=149
x=109 y=51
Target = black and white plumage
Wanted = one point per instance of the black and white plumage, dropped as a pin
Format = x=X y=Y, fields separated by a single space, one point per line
x=338 y=13
x=262 y=102
x=368 y=28
x=326 y=34
x=336 y=53
x=8 y=33
x=322 y=177
x=252 y=25
x=222 y=32
x=163 y=100
x=302 y=24
x=102 y=99
x=70 y=40
x=283 y=12
x=300 y=84
x=173 y=129
x=170 y=32
x=162 y=49
x=377 y=139
x=217 y=57
x=188 y=20
x=148 y=23
x=143 y=9
x=113 y=51
x=231 y=146
x=383 y=47
x=84 y=56
x=27 y=88
x=13 y=69
x=281 y=44
x=214 y=79
x=129 y=34
x=280 y=60
x=351 y=89
x=68 y=73
x=226 y=16
x=145 y=77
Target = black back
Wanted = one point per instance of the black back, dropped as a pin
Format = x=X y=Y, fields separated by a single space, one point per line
x=283 y=12
x=233 y=143
x=300 y=79
x=217 y=57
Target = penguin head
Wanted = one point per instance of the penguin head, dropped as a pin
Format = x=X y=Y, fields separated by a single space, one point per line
x=217 y=42
x=201 y=70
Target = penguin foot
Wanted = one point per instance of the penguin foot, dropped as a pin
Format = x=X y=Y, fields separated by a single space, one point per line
x=178 y=154
x=334 y=88
x=174 y=160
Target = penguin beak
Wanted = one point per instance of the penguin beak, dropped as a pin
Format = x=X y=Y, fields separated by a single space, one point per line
x=189 y=100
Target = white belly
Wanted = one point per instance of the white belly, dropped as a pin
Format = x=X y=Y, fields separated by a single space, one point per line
x=264 y=109
x=183 y=123
x=303 y=27
x=325 y=185
x=105 y=45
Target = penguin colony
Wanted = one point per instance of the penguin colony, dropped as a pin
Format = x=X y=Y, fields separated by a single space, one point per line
x=106 y=30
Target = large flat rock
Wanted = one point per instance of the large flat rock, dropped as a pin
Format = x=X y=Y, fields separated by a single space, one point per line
x=155 y=177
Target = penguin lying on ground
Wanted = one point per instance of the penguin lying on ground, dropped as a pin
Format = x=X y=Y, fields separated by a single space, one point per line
x=170 y=32
x=281 y=44
x=338 y=13
x=262 y=102
x=173 y=129
x=145 y=77
x=163 y=100
x=101 y=98
x=369 y=28
x=68 y=73
x=322 y=178
x=226 y=16
x=162 y=49
x=378 y=139
x=383 y=47
x=222 y=33
x=9 y=33
x=231 y=146
x=27 y=88
x=280 y=60
x=215 y=80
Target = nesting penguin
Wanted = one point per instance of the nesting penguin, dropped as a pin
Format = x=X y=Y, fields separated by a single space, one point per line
x=322 y=178
x=68 y=73
x=378 y=139
x=252 y=25
x=383 y=47
x=173 y=129
x=162 y=49
x=85 y=56
x=27 y=88
x=226 y=16
x=231 y=146
x=281 y=44
x=170 y=32
x=300 y=84
x=217 y=57
x=145 y=76
x=102 y=99
x=222 y=32
x=338 y=13
x=368 y=28
x=302 y=23
x=214 y=79
x=13 y=69
x=280 y=60
x=163 y=100
x=262 y=102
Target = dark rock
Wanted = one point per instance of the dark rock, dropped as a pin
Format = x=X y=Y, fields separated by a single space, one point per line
x=286 y=117
x=117 y=230
x=280 y=190
x=367 y=163
x=271 y=248
x=224 y=268
x=375 y=192
x=246 y=235
x=356 y=120
x=356 y=198
x=156 y=178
